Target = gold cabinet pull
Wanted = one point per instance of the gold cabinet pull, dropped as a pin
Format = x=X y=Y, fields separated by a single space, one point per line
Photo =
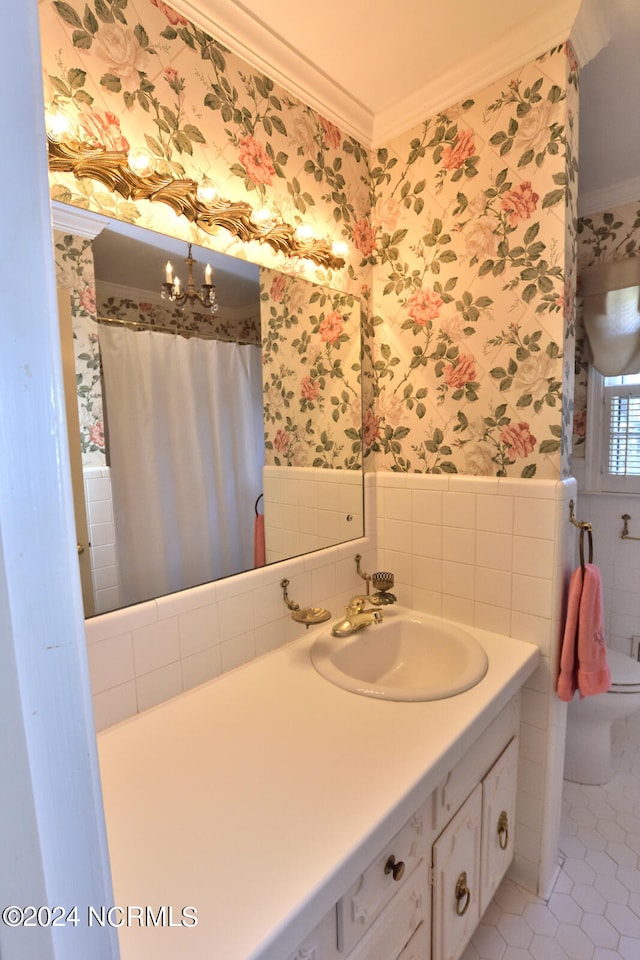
x=463 y=895
x=395 y=869
x=503 y=830
x=80 y=549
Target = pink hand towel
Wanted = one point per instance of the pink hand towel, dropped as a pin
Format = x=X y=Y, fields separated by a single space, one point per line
x=594 y=675
x=568 y=677
x=583 y=659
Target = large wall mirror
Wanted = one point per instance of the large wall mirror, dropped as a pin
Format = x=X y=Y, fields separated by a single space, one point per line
x=211 y=442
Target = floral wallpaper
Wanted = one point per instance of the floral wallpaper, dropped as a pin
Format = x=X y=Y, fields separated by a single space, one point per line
x=459 y=232
x=311 y=363
x=122 y=307
x=602 y=238
x=467 y=232
x=74 y=272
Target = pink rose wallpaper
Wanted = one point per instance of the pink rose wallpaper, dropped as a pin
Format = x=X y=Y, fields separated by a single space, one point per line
x=461 y=237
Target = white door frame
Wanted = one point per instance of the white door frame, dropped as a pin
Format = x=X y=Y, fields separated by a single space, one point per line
x=52 y=838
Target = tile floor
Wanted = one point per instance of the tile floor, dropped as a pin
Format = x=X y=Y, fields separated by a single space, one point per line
x=594 y=910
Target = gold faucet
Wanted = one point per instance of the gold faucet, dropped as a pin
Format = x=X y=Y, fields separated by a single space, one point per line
x=356 y=616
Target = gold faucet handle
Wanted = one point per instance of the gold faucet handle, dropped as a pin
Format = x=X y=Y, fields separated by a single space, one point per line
x=356 y=604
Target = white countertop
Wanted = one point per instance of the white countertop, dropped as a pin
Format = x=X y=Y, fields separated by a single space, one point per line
x=259 y=797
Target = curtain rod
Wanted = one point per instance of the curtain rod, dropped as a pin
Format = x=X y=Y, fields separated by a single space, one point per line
x=139 y=326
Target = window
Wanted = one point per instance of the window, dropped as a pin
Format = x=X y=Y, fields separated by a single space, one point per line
x=613 y=433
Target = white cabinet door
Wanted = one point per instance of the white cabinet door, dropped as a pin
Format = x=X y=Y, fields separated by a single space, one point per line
x=498 y=822
x=456 y=879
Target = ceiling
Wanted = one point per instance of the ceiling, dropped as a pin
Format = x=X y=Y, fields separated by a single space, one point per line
x=377 y=69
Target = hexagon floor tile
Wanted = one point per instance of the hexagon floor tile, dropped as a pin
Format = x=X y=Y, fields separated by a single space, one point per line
x=593 y=912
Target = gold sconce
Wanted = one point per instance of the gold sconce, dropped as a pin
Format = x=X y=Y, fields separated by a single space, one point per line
x=113 y=169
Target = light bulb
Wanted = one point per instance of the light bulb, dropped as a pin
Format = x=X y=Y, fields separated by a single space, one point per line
x=140 y=161
x=58 y=124
x=339 y=248
x=263 y=216
x=304 y=232
x=207 y=192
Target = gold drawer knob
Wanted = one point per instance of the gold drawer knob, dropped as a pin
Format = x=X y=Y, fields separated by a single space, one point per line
x=463 y=895
x=395 y=869
x=503 y=830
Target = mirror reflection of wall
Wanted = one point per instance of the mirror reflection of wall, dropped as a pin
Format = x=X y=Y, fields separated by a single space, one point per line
x=161 y=429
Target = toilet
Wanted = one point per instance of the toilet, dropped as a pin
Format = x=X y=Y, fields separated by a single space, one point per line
x=588 y=744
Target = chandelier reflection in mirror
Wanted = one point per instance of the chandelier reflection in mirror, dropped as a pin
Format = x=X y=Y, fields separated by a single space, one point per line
x=114 y=169
x=172 y=290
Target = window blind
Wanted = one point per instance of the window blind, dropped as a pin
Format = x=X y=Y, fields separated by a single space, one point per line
x=624 y=430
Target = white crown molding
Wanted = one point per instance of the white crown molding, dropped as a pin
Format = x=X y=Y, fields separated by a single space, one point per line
x=607 y=198
x=509 y=52
x=76 y=221
x=590 y=32
x=237 y=28
x=249 y=38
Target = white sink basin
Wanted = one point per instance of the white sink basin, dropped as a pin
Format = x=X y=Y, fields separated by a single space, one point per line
x=409 y=656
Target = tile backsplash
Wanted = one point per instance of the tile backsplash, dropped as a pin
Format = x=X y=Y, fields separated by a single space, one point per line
x=496 y=554
x=308 y=508
x=102 y=537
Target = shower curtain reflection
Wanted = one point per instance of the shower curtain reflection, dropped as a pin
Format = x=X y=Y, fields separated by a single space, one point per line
x=185 y=472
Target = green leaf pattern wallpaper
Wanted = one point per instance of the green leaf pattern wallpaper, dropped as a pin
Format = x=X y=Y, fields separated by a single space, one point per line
x=311 y=374
x=461 y=232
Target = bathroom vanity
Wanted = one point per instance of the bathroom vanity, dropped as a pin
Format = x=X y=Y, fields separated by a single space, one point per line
x=296 y=820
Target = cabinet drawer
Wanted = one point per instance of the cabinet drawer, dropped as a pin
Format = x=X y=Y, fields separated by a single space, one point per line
x=395 y=927
x=476 y=762
x=383 y=878
x=419 y=947
x=322 y=942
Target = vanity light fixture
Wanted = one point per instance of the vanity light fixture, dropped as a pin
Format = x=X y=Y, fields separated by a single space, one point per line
x=113 y=170
x=206 y=295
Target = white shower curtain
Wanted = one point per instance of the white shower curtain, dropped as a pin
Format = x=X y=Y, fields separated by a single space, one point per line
x=186 y=452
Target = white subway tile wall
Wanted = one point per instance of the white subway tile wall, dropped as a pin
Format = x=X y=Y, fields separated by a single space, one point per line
x=102 y=537
x=496 y=554
x=308 y=508
x=618 y=561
